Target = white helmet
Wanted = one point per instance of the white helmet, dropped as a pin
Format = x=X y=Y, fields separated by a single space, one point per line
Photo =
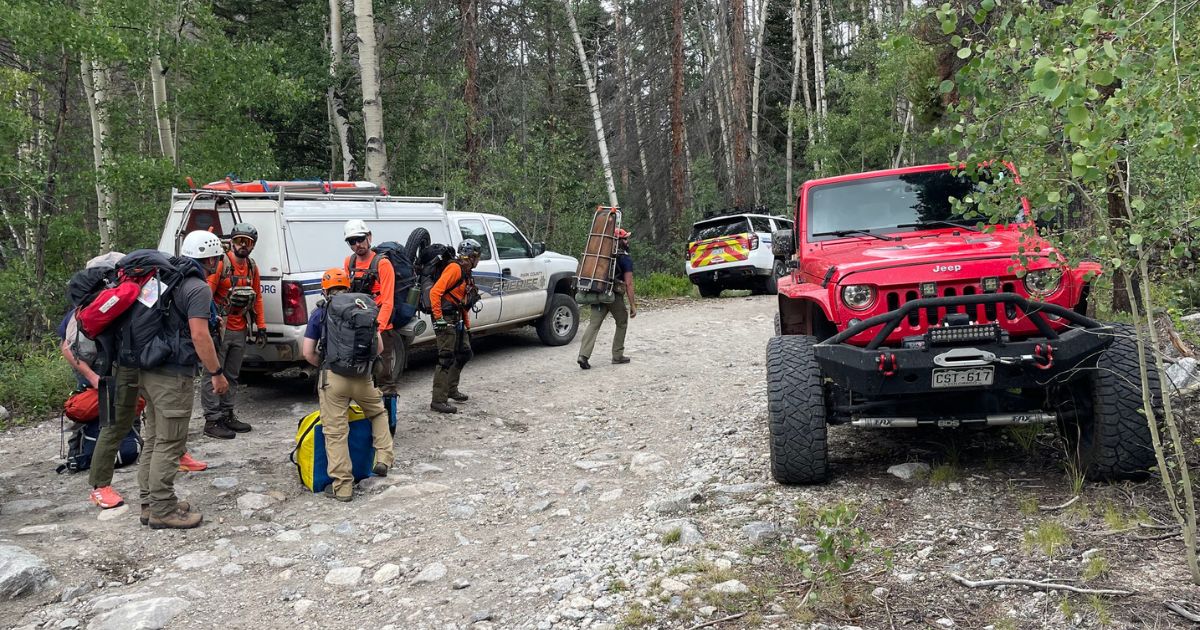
x=201 y=244
x=355 y=227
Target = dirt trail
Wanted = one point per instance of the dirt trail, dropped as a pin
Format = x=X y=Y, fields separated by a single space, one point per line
x=564 y=498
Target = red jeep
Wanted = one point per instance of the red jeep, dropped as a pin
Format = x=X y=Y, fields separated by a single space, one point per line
x=899 y=312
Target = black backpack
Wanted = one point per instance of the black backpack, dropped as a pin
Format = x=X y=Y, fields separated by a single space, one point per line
x=81 y=445
x=347 y=344
x=402 y=267
x=153 y=336
x=429 y=267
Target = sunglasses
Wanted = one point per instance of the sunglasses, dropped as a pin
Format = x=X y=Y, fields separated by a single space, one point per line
x=242 y=240
x=355 y=240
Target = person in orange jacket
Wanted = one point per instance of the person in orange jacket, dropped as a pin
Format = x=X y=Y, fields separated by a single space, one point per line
x=451 y=300
x=237 y=292
x=372 y=274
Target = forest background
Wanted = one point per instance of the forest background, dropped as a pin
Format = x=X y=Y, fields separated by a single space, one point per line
x=542 y=109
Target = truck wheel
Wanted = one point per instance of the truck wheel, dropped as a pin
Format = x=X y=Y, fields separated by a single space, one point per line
x=401 y=356
x=709 y=290
x=796 y=411
x=771 y=286
x=560 y=322
x=778 y=326
x=1113 y=440
x=417 y=240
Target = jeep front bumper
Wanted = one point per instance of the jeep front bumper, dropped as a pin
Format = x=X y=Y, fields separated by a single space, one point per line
x=946 y=361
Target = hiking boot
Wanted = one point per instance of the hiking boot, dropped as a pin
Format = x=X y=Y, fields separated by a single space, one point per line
x=179 y=519
x=179 y=505
x=621 y=360
x=233 y=424
x=442 y=407
x=106 y=497
x=380 y=469
x=583 y=363
x=343 y=498
x=189 y=464
x=217 y=429
x=459 y=396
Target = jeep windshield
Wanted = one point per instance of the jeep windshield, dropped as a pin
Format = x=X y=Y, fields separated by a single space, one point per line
x=899 y=203
x=724 y=226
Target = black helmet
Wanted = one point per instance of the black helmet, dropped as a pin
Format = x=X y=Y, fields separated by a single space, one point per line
x=469 y=247
x=244 y=229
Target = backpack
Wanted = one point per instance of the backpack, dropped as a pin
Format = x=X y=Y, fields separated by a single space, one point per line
x=241 y=288
x=155 y=333
x=311 y=459
x=363 y=280
x=82 y=444
x=429 y=266
x=84 y=348
x=121 y=291
x=347 y=345
x=84 y=406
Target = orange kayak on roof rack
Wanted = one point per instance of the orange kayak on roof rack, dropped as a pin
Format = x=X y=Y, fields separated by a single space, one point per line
x=299 y=186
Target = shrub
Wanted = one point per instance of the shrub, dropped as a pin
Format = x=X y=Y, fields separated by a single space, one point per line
x=34 y=384
x=661 y=285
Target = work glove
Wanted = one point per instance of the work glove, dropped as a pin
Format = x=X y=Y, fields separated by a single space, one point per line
x=440 y=324
x=260 y=338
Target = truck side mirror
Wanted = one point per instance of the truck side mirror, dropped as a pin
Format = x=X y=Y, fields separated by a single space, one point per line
x=783 y=243
x=539 y=248
x=793 y=264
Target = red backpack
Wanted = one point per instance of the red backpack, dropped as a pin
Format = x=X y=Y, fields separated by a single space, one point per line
x=134 y=272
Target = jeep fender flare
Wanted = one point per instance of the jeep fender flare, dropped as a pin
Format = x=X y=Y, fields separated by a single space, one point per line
x=561 y=282
x=804 y=310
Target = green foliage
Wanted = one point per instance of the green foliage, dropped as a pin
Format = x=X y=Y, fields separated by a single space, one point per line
x=672 y=537
x=34 y=385
x=944 y=474
x=1025 y=435
x=1050 y=538
x=840 y=543
x=1095 y=567
x=661 y=285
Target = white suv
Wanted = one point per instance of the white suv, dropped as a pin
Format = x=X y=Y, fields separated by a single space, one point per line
x=300 y=236
x=733 y=251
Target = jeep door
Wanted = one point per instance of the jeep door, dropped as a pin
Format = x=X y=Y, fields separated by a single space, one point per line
x=487 y=274
x=524 y=277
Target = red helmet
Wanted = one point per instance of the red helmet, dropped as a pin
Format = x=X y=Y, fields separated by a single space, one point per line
x=620 y=233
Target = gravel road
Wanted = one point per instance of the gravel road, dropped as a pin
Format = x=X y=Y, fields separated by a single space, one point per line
x=624 y=496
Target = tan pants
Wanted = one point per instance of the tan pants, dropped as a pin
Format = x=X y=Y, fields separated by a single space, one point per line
x=336 y=392
x=599 y=312
x=168 y=410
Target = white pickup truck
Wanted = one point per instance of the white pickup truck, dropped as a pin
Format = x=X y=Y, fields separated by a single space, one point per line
x=300 y=236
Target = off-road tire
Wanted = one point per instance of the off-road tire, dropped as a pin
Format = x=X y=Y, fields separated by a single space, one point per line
x=709 y=290
x=550 y=328
x=778 y=325
x=796 y=411
x=419 y=239
x=1113 y=440
x=771 y=285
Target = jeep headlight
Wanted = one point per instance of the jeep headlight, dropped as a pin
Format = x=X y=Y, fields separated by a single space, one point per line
x=1043 y=282
x=858 y=296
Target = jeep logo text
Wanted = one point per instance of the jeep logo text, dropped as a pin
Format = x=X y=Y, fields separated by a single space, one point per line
x=946 y=268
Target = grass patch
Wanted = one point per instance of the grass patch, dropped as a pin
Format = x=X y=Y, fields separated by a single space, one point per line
x=1029 y=506
x=638 y=617
x=34 y=386
x=1025 y=436
x=1050 y=537
x=618 y=586
x=1095 y=567
x=672 y=537
x=662 y=285
x=944 y=474
x=1100 y=609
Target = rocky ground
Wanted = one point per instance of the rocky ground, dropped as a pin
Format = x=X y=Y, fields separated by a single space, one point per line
x=625 y=496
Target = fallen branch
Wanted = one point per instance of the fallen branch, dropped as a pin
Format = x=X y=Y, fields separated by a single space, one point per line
x=1051 y=508
x=1178 y=608
x=1048 y=586
x=1158 y=537
x=717 y=621
x=1177 y=341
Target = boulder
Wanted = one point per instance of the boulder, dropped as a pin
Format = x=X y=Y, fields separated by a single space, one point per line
x=22 y=573
x=144 y=614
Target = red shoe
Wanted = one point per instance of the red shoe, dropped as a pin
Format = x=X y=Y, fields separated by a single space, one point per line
x=106 y=497
x=187 y=464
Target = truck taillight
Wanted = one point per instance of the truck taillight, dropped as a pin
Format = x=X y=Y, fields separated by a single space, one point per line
x=753 y=241
x=295 y=310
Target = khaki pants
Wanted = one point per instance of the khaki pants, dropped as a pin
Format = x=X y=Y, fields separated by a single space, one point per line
x=336 y=392
x=230 y=353
x=385 y=366
x=105 y=455
x=452 y=355
x=599 y=311
x=168 y=409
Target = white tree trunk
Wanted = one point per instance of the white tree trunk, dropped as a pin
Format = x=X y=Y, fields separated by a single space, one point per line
x=758 y=57
x=158 y=89
x=818 y=46
x=595 y=100
x=339 y=118
x=908 y=121
x=95 y=88
x=641 y=147
x=719 y=89
x=364 y=26
x=797 y=52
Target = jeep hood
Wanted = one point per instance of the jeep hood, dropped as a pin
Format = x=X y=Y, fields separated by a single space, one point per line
x=917 y=248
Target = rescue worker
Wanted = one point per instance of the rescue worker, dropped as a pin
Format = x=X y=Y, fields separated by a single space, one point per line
x=622 y=287
x=451 y=300
x=373 y=275
x=168 y=387
x=335 y=393
x=237 y=292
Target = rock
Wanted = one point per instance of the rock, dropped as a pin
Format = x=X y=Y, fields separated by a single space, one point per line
x=255 y=501
x=321 y=549
x=758 y=532
x=590 y=465
x=144 y=614
x=345 y=528
x=678 y=502
x=611 y=495
x=459 y=585
x=644 y=464
x=301 y=606
x=431 y=573
x=411 y=491
x=231 y=569
x=4 y=413
x=22 y=573
x=115 y=513
x=460 y=512
x=945 y=622
x=195 y=560
x=732 y=587
x=541 y=506
x=31 y=530
x=689 y=534
x=1184 y=373
x=906 y=578
x=909 y=471
x=290 y=535
x=481 y=615
x=426 y=469
x=581 y=487
x=604 y=602
x=70 y=623
x=671 y=585
x=224 y=483
x=23 y=506
x=880 y=593
x=278 y=562
x=1193 y=318
x=741 y=489
x=344 y=576
x=72 y=593
x=386 y=573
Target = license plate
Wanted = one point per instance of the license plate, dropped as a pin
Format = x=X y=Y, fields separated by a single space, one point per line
x=963 y=377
